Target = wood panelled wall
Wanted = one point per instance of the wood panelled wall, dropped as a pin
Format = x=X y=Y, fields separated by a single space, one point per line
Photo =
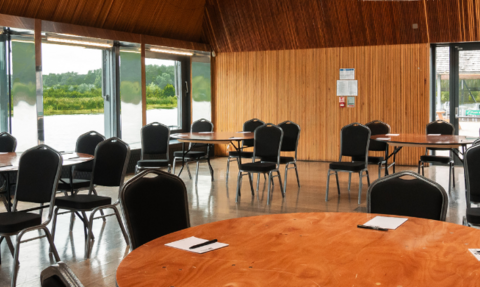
x=300 y=85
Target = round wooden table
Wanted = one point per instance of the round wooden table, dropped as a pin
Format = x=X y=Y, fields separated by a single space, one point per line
x=310 y=249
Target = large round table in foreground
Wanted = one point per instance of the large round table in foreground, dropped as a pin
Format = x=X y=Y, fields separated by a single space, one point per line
x=310 y=249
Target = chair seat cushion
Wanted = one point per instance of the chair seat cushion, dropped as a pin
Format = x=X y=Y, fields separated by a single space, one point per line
x=11 y=222
x=350 y=166
x=82 y=201
x=152 y=163
x=283 y=159
x=434 y=158
x=190 y=154
x=64 y=184
x=245 y=154
x=473 y=215
x=258 y=167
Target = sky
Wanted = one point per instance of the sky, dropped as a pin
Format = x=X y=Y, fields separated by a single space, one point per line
x=62 y=58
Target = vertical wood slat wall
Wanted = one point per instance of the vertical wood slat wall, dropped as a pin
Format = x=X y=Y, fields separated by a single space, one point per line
x=300 y=85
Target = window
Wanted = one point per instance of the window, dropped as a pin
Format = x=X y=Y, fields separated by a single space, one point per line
x=131 y=95
x=201 y=88
x=72 y=93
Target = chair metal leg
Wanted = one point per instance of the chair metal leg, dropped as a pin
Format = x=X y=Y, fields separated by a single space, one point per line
x=251 y=183
x=173 y=164
x=120 y=222
x=328 y=184
x=10 y=245
x=53 y=249
x=338 y=183
x=188 y=170
x=210 y=167
x=423 y=168
x=239 y=185
x=296 y=172
x=228 y=167
x=54 y=223
x=72 y=220
x=282 y=189
x=360 y=175
x=368 y=177
x=394 y=161
x=419 y=163
x=379 y=170
x=196 y=173
x=285 y=179
x=258 y=182
x=453 y=173
x=15 y=261
x=269 y=185
x=349 y=180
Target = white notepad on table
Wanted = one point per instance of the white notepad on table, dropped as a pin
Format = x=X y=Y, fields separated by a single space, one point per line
x=433 y=135
x=383 y=139
x=392 y=135
x=186 y=243
x=205 y=132
x=386 y=222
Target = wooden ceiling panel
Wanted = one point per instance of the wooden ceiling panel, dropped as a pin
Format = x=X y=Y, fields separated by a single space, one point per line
x=256 y=25
x=181 y=20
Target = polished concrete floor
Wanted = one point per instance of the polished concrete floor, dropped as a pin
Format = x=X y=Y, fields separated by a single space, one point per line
x=208 y=201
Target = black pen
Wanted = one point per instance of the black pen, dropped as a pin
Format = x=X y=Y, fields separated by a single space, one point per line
x=372 y=227
x=203 y=244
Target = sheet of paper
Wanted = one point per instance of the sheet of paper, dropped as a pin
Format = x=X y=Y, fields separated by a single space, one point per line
x=476 y=253
x=69 y=156
x=433 y=135
x=179 y=136
x=392 y=135
x=243 y=132
x=386 y=222
x=186 y=243
x=383 y=139
x=205 y=132
x=347 y=88
x=347 y=74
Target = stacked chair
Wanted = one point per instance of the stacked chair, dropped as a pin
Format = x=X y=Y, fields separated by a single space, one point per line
x=155 y=143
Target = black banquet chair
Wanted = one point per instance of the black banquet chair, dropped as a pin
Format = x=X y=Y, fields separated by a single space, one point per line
x=379 y=128
x=8 y=143
x=418 y=197
x=154 y=203
x=109 y=168
x=471 y=163
x=354 y=142
x=267 y=143
x=248 y=126
x=39 y=170
x=155 y=143
x=59 y=275
x=443 y=128
x=199 y=126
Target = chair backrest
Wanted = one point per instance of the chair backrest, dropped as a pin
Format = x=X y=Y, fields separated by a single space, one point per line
x=471 y=163
x=250 y=126
x=440 y=127
x=155 y=203
x=267 y=142
x=378 y=128
x=155 y=139
x=59 y=275
x=86 y=143
x=291 y=135
x=110 y=163
x=476 y=142
x=8 y=143
x=201 y=125
x=39 y=171
x=354 y=141
x=419 y=197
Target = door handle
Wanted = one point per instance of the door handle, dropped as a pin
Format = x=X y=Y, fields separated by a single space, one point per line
x=456 y=112
x=186 y=86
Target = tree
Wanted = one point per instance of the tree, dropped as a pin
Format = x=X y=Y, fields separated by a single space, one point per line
x=169 y=91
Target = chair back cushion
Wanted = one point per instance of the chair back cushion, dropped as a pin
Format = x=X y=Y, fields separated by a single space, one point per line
x=155 y=139
x=7 y=142
x=355 y=139
x=87 y=143
x=110 y=163
x=291 y=133
x=38 y=174
x=267 y=141
x=250 y=126
x=378 y=128
x=155 y=204
x=472 y=173
x=201 y=125
x=419 y=197
x=440 y=127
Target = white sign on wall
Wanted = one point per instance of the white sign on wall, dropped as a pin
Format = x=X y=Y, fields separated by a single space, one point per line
x=347 y=88
x=347 y=74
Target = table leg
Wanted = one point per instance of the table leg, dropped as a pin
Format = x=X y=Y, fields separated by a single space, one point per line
x=183 y=159
x=8 y=191
x=458 y=153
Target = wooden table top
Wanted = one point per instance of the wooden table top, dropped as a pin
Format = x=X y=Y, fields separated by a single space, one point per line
x=423 y=140
x=212 y=137
x=310 y=249
x=12 y=158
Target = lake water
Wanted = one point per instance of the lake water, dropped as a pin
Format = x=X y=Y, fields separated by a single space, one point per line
x=61 y=131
